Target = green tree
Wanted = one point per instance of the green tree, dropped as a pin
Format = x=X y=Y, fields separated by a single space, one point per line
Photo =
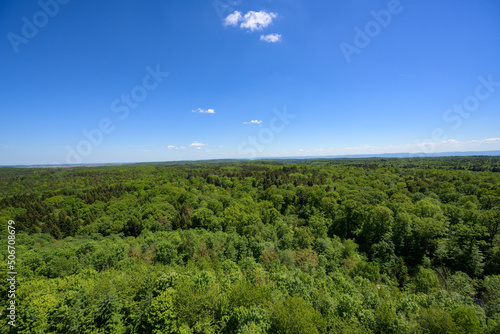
x=295 y=315
x=162 y=317
x=425 y=281
x=435 y=320
x=108 y=315
x=466 y=318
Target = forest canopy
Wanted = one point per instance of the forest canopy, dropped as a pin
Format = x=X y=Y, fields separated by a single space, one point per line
x=283 y=246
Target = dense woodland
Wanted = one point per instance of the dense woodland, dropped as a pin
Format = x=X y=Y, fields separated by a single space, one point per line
x=290 y=246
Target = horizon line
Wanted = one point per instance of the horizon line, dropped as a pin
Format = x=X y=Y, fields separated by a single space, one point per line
x=308 y=157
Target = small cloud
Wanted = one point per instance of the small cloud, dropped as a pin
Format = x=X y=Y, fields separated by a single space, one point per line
x=203 y=111
x=183 y=147
x=233 y=19
x=197 y=144
x=490 y=141
x=253 y=122
x=251 y=21
x=271 y=38
x=146 y=150
x=257 y=20
x=208 y=150
x=221 y=147
x=170 y=146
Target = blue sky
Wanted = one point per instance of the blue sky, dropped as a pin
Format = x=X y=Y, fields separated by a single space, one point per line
x=129 y=81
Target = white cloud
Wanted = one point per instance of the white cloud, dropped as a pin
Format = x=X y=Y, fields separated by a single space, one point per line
x=253 y=122
x=251 y=21
x=271 y=38
x=183 y=147
x=233 y=19
x=365 y=148
x=450 y=145
x=257 y=20
x=487 y=141
x=197 y=144
x=455 y=145
x=203 y=111
x=170 y=146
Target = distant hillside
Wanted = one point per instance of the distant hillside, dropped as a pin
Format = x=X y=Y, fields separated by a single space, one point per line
x=392 y=155
x=229 y=161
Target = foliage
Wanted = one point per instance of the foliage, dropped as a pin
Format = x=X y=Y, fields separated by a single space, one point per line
x=298 y=246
